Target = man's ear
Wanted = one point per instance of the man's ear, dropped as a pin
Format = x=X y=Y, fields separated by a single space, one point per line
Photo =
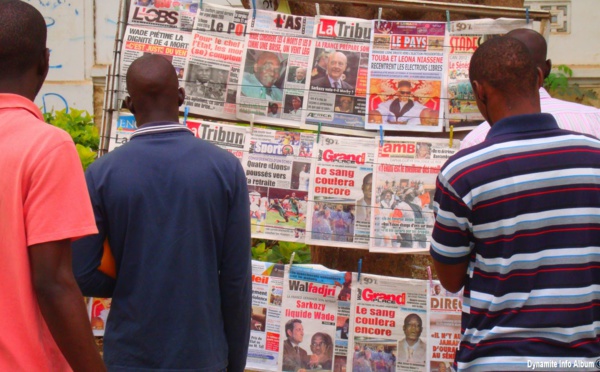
x=548 y=67
x=180 y=96
x=129 y=104
x=479 y=92
x=540 y=77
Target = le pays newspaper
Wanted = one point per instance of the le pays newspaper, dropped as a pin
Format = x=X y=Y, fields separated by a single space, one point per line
x=337 y=71
x=465 y=38
x=340 y=195
x=406 y=169
x=212 y=68
x=277 y=45
x=406 y=75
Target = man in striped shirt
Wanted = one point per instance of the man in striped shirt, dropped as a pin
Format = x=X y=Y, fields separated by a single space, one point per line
x=518 y=225
x=571 y=116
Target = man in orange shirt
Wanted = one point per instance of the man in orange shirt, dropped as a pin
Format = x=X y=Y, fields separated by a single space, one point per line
x=44 y=205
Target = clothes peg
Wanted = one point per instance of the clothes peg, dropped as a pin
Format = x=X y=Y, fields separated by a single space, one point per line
x=448 y=19
x=186 y=111
x=252 y=124
x=379 y=16
x=380 y=135
x=292 y=258
x=527 y=15
x=451 y=136
x=359 y=268
x=319 y=132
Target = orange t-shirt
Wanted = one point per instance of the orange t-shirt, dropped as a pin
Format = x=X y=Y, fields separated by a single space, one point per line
x=43 y=198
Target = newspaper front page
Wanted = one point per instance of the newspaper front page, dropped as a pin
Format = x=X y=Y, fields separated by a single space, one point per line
x=315 y=318
x=444 y=330
x=177 y=15
x=337 y=72
x=277 y=167
x=405 y=170
x=98 y=310
x=465 y=37
x=141 y=40
x=277 y=45
x=267 y=295
x=340 y=197
x=389 y=325
x=406 y=75
x=122 y=127
x=214 y=58
x=233 y=138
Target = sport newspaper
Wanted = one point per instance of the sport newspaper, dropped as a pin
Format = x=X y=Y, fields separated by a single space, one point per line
x=177 y=15
x=277 y=168
x=267 y=295
x=405 y=170
x=341 y=110
x=339 y=201
x=465 y=38
x=288 y=38
x=413 y=52
x=141 y=40
x=320 y=298
x=381 y=306
x=212 y=69
x=232 y=138
x=445 y=321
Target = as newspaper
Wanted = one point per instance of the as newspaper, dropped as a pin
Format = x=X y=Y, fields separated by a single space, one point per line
x=405 y=170
x=337 y=71
x=315 y=318
x=267 y=296
x=212 y=69
x=232 y=138
x=340 y=195
x=445 y=313
x=406 y=75
x=389 y=325
x=465 y=38
x=277 y=168
x=277 y=45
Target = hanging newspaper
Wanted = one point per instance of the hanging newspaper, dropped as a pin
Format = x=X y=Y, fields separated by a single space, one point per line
x=406 y=75
x=277 y=46
x=444 y=330
x=165 y=14
x=339 y=62
x=340 y=198
x=405 y=173
x=389 y=326
x=315 y=303
x=232 y=138
x=122 y=127
x=214 y=59
x=465 y=38
x=98 y=310
x=267 y=295
x=277 y=167
x=138 y=41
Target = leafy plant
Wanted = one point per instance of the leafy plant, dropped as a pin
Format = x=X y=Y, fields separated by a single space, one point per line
x=280 y=252
x=80 y=125
x=557 y=84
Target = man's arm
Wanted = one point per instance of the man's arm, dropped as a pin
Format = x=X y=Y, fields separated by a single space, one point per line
x=235 y=275
x=62 y=306
x=452 y=277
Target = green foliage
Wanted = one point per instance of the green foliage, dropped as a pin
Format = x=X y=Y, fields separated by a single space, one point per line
x=557 y=84
x=80 y=125
x=280 y=252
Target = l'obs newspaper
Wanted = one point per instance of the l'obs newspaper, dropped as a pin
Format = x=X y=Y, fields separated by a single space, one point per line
x=403 y=188
x=315 y=318
x=444 y=332
x=389 y=327
x=340 y=197
x=277 y=168
x=214 y=59
x=178 y=15
x=229 y=137
x=267 y=295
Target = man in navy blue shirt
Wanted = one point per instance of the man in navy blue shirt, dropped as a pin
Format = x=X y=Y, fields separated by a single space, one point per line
x=175 y=211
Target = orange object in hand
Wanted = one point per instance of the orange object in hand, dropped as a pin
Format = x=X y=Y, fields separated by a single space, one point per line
x=107 y=263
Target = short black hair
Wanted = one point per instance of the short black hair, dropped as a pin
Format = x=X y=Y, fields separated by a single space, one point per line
x=404 y=83
x=289 y=326
x=22 y=36
x=506 y=65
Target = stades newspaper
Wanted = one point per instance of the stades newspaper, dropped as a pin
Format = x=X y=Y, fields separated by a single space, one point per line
x=444 y=331
x=340 y=197
x=213 y=64
x=277 y=45
x=277 y=169
x=340 y=54
x=315 y=318
x=389 y=325
x=405 y=170
x=465 y=38
x=267 y=295
x=232 y=138
x=406 y=75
